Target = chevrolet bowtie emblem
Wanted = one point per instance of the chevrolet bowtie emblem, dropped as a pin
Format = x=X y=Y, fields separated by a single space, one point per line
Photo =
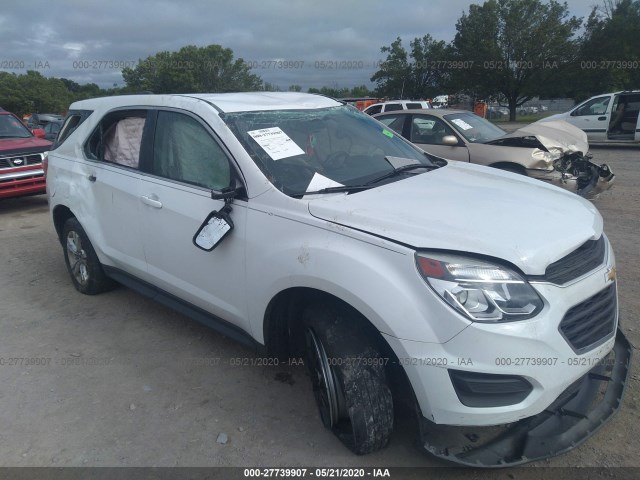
x=611 y=274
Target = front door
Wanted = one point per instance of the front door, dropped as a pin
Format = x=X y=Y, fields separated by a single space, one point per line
x=593 y=117
x=188 y=162
x=428 y=132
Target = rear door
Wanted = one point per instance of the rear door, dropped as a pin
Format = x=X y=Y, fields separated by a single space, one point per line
x=110 y=212
x=624 y=124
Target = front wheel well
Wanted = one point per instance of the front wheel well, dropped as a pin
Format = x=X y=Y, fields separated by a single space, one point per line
x=284 y=336
x=283 y=326
x=284 y=329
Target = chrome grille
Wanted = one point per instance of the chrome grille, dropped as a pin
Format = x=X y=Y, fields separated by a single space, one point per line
x=20 y=160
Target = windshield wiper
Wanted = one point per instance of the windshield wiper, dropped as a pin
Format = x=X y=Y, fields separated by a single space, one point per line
x=399 y=170
x=341 y=188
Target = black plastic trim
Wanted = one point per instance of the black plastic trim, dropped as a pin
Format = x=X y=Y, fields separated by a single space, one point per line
x=592 y=322
x=485 y=390
x=202 y=316
x=574 y=417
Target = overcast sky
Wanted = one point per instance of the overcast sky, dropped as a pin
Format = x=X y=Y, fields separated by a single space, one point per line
x=80 y=39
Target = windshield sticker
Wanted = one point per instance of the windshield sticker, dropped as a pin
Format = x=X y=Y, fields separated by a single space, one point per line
x=387 y=133
x=318 y=182
x=461 y=123
x=276 y=143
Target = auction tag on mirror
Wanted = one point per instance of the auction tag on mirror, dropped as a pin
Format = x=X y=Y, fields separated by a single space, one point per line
x=213 y=230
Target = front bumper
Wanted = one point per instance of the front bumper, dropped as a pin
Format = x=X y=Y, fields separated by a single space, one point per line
x=600 y=179
x=16 y=182
x=576 y=415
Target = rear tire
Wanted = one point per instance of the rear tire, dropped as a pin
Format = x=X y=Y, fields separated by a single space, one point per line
x=348 y=378
x=83 y=265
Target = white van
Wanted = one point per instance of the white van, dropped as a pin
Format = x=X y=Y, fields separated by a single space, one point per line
x=611 y=117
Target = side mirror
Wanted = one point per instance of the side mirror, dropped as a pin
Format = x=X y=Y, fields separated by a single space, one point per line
x=228 y=193
x=39 y=132
x=450 y=140
x=213 y=230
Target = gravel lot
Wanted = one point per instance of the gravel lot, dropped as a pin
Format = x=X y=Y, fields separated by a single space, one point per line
x=128 y=382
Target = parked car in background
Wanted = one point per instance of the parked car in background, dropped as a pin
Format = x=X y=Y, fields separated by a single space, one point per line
x=441 y=101
x=608 y=118
x=21 y=154
x=303 y=227
x=51 y=129
x=40 y=120
x=555 y=152
x=396 y=105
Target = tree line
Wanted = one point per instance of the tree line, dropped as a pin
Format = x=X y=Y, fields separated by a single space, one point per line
x=506 y=50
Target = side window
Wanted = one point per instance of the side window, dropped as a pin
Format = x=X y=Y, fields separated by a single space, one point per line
x=414 y=106
x=117 y=138
x=597 y=106
x=73 y=121
x=373 y=109
x=185 y=151
x=394 y=122
x=429 y=130
x=392 y=107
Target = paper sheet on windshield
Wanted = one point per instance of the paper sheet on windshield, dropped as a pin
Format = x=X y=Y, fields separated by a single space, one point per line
x=461 y=123
x=276 y=143
x=318 y=182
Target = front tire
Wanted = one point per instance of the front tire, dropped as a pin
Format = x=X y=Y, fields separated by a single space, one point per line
x=348 y=378
x=83 y=265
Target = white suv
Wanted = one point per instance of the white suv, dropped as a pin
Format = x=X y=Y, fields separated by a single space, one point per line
x=298 y=225
x=397 y=105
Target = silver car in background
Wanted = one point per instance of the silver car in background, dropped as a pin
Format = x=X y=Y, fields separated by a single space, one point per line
x=556 y=152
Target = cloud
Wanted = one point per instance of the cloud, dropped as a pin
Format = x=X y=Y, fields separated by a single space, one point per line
x=71 y=34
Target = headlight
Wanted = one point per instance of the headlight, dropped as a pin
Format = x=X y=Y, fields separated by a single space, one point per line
x=482 y=291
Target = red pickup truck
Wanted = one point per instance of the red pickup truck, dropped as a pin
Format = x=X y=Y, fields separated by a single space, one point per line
x=21 y=154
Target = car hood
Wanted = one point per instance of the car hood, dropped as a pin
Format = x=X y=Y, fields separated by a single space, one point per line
x=557 y=136
x=23 y=145
x=474 y=209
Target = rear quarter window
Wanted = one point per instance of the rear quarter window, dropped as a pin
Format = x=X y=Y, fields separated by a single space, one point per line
x=72 y=121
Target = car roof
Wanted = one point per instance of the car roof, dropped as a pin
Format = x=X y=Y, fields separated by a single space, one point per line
x=435 y=112
x=223 y=102
x=396 y=102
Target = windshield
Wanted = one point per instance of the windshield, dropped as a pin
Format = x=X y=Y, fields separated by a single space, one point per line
x=11 y=127
x=474 y=128
x=308 y=150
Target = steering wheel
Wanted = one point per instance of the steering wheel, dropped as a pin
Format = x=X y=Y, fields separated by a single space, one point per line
x=294 y=174
x=336 y=159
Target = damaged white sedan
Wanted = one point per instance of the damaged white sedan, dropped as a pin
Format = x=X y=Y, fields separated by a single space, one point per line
x=556 y=152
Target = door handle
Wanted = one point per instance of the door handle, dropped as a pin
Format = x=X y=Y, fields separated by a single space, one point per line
x=92 y=177
x=151 y=202
x=602 y=118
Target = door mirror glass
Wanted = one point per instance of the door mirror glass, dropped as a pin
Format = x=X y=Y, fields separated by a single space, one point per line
x=213 y=230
